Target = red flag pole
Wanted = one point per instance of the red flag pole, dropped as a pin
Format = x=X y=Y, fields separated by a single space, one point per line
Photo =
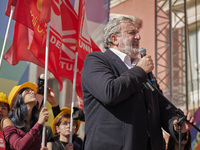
x=45 y=81
x=6 y=35
x=73 y=97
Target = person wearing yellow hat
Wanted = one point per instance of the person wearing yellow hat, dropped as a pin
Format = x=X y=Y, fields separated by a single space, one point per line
x=22 y=129
x=4 y=109
x=4 y=106
x=61 y=130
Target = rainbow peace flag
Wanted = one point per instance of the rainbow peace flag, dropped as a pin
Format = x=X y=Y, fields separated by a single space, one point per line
x=195 y=134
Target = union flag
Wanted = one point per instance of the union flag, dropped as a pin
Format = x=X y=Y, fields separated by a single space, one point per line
x=68 y=33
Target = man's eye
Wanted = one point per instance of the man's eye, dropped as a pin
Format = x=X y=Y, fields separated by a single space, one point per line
x=131 y=32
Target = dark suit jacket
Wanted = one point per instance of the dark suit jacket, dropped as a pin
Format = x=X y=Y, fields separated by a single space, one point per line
x=120 y=114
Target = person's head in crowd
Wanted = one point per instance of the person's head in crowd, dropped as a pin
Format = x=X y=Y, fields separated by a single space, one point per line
x=61 y=125
x=4 y=106
x=173 y=144
x=23 y=103
x=120 y=33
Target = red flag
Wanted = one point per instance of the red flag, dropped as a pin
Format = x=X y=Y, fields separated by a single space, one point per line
x=65 y=29
x=81 y=104
x=45 y=11
x=85 y=42
x=20 y=49
x=36 y=43
x=21 y=12
x=63 y=37
x=85 y=45
x=71 y=29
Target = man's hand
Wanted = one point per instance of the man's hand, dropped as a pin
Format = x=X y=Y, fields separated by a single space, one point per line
x=43 y=148
x=146 y=63
x=185 y=126
x=51 y=98
x=69 y=146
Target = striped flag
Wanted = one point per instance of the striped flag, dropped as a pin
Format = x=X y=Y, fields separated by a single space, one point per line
x=194 y=133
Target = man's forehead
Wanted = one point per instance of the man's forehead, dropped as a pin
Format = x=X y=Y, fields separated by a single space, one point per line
x=127 y=26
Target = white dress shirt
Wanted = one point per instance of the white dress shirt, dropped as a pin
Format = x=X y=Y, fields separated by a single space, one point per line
x=125 y=58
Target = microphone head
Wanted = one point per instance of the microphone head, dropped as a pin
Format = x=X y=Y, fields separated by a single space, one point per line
x=142 y=50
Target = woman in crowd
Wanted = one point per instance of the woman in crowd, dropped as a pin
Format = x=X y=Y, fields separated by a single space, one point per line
x=61 y=130
x=23 y=128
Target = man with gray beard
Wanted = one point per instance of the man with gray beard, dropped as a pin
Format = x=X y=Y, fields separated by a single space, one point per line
x=120 y=113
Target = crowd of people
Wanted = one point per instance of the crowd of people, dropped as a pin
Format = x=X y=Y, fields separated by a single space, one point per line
x=22 y=121
x=120 y=112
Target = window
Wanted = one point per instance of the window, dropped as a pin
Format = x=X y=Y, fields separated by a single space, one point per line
x=113 y=3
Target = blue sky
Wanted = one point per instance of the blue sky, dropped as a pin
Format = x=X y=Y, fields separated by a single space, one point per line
x=7 y=71
x=4 y=21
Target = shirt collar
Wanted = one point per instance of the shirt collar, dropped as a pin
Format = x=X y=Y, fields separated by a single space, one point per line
x=125 y=58
x=121 y=55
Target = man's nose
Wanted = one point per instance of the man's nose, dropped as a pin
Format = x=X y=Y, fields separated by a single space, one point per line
x=137 y=36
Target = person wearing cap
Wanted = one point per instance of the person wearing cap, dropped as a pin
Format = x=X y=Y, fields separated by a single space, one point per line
x=22 y=129
x=4 y=109
x=61 y=130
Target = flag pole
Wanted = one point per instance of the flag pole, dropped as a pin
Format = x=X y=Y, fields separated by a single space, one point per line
x=45 y=81
x=6 y=35
x=73 y=97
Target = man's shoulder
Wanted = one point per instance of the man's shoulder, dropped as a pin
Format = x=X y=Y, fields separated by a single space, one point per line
x=99 y=54
x=96 y=53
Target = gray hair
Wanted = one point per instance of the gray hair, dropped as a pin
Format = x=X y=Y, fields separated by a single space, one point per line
x=113 y=27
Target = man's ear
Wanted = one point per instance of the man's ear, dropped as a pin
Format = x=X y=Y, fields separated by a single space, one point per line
x=115 y=39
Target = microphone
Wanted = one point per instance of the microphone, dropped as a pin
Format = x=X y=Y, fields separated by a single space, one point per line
x=142 y=52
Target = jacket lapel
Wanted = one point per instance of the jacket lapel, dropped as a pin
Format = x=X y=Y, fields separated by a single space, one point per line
x=119 y=64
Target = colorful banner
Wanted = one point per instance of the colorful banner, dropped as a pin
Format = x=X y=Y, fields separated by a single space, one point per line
x=194 y=133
